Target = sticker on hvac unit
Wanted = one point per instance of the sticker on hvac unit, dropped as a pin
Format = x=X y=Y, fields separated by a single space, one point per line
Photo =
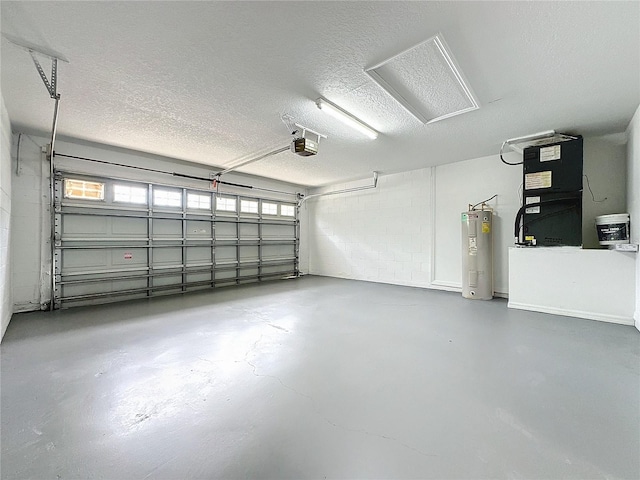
x=550 y=153
x=533 y=181
x=529 y=201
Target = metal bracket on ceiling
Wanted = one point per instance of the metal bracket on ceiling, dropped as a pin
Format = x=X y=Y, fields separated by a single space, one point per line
x=51 y=86
x=307 y=129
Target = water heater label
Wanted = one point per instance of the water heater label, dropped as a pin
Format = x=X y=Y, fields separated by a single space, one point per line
x=473 y=246
x=550 y=153
x=533 y=181
x=533 y=210
x=486 y=228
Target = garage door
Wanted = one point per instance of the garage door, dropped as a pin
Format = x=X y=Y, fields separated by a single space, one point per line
x=118 y=240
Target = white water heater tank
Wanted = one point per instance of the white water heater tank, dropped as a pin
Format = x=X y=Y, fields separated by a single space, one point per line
x=477 y=254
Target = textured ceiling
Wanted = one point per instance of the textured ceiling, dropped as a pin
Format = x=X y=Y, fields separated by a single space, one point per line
x=208 y=81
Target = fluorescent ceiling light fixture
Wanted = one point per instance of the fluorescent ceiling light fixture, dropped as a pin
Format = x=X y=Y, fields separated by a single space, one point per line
x=426 y=80
x=346 y=118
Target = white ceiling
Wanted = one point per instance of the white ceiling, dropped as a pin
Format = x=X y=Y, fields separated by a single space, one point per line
x=208 y=81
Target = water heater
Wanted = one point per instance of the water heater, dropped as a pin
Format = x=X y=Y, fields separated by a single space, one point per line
x=477 y=254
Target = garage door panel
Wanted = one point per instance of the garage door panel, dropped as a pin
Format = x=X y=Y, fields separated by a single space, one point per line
x=120 y=297
x=226 y=274
x=110 y=286
x=249 y=272
x=167 y=280
x=84 y=225
x=128 y=227
x=278 y=231
x=226 y=230
x=199 y=229
x=249 y=253
x=199 y=277
x=167 y=256
x=167 y=228
x=225 y=253
x=128 y=257
x=278 y=251
x=198 y=255
x=279 y=269
x=81 y=260
x=249 y=231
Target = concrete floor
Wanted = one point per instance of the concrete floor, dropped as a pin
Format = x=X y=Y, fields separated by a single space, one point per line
x=318 y=378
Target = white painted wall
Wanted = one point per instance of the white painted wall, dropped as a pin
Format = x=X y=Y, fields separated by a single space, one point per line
x=381 y=235
x=30 y=235
x=605 y=165
x=6 y=303
x=594 y=284
x=633 y=196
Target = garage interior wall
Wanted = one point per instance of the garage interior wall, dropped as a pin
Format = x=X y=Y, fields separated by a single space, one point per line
x=633 y=196
x=6 y=304
x=30 y=238
x=407 y=231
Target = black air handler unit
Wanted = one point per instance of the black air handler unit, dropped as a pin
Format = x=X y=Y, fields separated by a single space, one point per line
x=552 y=182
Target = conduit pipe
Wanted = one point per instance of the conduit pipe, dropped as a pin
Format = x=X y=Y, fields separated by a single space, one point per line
x=346 y=190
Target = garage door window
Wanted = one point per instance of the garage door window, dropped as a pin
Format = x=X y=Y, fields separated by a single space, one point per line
x=287 y=211
x=83 y=189
x=167 y=198
x=226 y=204
x=269 y=208
x=248 y=206
x=200 y=202
x=129 y=194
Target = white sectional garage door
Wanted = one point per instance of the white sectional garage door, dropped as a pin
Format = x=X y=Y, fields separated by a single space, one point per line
x=118 y=240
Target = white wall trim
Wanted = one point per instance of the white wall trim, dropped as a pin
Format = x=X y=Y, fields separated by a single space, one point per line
x=573 y=313
x=456 y=287
x=444 y=285
x=432 y=225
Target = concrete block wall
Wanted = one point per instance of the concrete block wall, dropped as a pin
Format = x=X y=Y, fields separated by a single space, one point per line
x=381 y=235
x=6 y=302
x=29 y=238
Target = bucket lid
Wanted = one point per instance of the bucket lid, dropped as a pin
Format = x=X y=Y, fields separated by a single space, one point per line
x=613 y=218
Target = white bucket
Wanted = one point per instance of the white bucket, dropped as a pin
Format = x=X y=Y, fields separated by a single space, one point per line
x=613 y=229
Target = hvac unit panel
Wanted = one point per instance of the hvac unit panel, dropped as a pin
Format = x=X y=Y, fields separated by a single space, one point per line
x=558 y=223
x=552 y=186
x=552 y=168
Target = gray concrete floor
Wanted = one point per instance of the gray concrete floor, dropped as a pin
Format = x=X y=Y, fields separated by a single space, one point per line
x=318 y=378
